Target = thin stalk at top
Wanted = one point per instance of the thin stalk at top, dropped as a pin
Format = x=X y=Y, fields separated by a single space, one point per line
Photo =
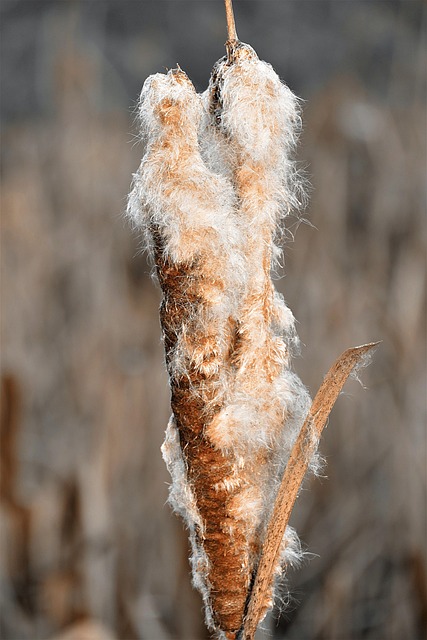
x=231 y=25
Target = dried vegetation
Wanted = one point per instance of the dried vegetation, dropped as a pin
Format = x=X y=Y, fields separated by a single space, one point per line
x=215 y=181
x=84 y=395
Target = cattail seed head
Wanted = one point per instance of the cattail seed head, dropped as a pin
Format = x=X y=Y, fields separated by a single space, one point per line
x=215 y=181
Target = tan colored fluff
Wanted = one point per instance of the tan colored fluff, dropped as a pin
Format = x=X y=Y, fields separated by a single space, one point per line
x=258 y=118
x=214 y=183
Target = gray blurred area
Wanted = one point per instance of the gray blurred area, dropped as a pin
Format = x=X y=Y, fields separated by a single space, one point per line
x=89 y=550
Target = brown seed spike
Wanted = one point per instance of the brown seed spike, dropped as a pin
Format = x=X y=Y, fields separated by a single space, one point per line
x=216 y=179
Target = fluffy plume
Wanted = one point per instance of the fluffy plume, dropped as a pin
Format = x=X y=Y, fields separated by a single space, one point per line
x=215 y=181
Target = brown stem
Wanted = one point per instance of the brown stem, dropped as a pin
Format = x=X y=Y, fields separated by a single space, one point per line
x=296 y=468
x=231 y=25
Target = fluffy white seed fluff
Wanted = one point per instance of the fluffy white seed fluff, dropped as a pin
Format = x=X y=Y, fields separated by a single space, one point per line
x=216 y=179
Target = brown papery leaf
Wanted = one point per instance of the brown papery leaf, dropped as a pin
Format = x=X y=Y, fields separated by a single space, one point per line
x=296 y=468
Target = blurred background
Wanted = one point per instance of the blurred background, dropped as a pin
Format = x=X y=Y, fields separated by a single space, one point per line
x=89 y=550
